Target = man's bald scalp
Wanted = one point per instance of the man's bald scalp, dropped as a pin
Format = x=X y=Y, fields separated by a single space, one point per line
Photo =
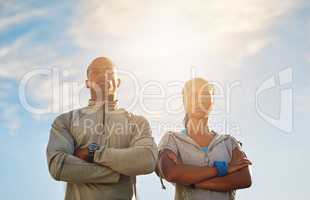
x=103 y=62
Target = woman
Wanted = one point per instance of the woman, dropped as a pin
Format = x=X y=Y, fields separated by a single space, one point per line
x=202 y=164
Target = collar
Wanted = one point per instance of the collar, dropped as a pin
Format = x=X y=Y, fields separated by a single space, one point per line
x=185 y=137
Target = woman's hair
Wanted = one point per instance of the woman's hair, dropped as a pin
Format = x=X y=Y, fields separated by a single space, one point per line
x=185 y=120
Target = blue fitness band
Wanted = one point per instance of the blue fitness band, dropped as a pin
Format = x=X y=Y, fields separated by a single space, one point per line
x=221 y=167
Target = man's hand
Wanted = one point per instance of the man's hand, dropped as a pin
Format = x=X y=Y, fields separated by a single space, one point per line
x=238 y=165
x=81 y=153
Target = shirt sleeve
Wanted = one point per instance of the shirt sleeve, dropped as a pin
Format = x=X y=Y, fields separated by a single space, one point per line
x=232 y=143
x=168 y=142
x=63 y=166
x=139 y=158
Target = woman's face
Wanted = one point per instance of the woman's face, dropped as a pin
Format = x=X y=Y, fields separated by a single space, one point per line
x=198 y=97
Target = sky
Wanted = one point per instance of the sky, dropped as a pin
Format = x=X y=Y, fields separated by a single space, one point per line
x=255 y=52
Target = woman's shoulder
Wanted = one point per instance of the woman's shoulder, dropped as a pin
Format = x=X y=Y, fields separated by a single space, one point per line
x=228 y=139
x=225 y=136
x=232 y=141
x=168 y=141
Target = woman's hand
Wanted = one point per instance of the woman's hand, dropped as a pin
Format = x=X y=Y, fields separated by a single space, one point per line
x=239 y=164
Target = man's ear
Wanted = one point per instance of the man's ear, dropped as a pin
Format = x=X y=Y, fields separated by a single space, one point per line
x=118 y=82
x=87 y=83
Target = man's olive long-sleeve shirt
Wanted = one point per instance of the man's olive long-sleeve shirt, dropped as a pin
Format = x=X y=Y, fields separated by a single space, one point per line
x=129 y=151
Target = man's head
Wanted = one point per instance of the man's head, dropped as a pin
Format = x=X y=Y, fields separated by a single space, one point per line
x=102 y=78
x=198 y=97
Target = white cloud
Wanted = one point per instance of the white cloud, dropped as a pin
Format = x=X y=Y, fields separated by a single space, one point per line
x=20 y=55
x=14 y=13
x=19 y=18
x=152 y=39
x=9 y=117
x=161 y=40
x=25 y=53
x=59 y=96
x=161 y=33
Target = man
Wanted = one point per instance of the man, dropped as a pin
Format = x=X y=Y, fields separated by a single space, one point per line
x=100 y=149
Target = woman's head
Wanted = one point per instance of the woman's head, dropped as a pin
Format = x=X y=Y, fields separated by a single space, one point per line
x=197 y=98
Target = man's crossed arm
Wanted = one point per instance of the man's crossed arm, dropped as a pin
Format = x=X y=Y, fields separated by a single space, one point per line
x=64 y=166
x=139 y=158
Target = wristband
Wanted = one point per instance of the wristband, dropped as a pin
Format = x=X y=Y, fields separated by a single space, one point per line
x=221 y=167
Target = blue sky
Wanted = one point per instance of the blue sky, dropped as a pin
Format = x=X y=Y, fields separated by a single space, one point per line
x=160 y=43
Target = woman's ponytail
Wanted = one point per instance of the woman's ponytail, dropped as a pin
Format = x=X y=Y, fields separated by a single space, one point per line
x=185 y=120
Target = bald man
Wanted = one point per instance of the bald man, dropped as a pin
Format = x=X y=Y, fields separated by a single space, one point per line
x=101 y=148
